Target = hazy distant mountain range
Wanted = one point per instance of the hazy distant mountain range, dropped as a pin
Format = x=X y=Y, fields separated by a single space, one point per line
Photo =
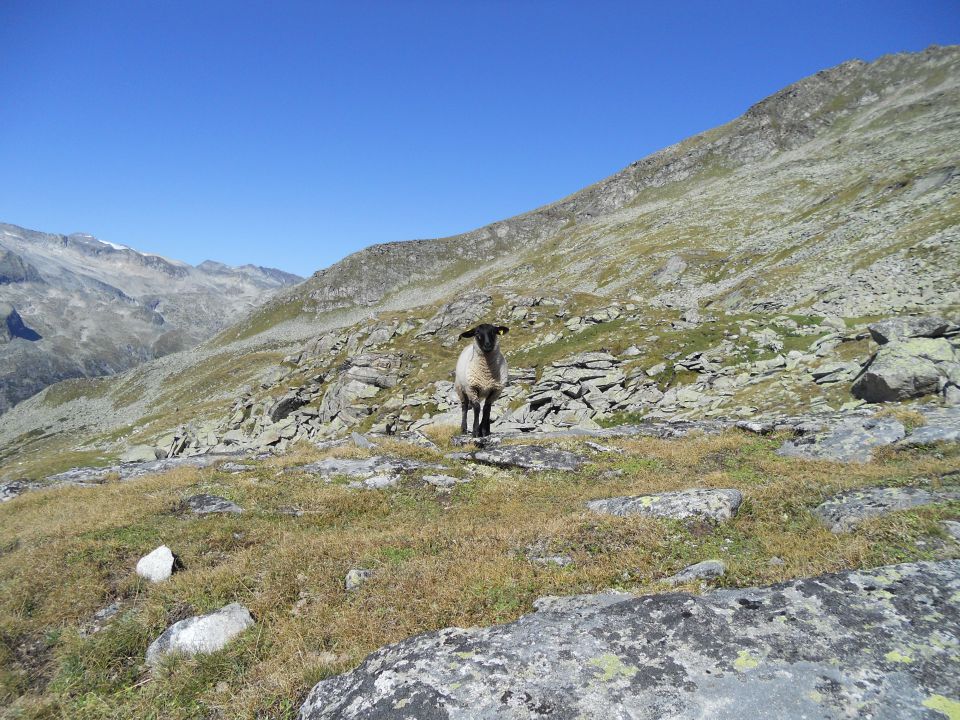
x=75 y=306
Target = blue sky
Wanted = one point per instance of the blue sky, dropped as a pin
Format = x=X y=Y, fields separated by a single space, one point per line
x=291 y=134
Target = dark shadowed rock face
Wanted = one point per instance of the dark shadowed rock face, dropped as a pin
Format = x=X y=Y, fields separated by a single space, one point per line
x=12 y=327
x=879 y=643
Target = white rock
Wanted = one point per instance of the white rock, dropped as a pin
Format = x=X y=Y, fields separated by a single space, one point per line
x=356 y=577
x=157 y=566
x=202 y=633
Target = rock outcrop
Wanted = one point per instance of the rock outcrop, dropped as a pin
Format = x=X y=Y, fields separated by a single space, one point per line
x=910 y=369
x=716 y=505
x=850 y=440
x=844 y=512
x=455 y=317
x=877 y=643
x=527 y=457
x=211 y=505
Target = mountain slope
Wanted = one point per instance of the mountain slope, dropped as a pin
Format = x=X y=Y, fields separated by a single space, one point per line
x=96 y=308
x=865 y=136
x=836 y=198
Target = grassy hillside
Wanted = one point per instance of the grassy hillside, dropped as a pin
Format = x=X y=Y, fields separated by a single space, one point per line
x=439 y=559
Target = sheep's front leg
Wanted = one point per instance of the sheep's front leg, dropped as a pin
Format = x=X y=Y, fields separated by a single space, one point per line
x=476 y=419
x=485 y=424
x=464 y=404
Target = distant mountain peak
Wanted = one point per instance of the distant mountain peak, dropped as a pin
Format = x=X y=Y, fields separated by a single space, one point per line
x=113 y=305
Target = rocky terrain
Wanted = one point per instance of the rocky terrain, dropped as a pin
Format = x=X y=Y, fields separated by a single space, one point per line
x=74 y=306
x=724 y=477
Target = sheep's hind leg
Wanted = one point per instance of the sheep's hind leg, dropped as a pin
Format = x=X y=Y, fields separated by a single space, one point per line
x=476 y=419
x=464 y=405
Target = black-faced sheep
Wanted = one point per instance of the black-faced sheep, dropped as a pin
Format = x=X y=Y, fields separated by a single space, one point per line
x=481 y=375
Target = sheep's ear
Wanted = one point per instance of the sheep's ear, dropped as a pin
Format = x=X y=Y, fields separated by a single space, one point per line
x=502 y=330
x=468 y=334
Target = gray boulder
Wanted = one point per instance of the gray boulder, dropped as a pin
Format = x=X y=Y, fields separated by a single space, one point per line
x=712 y=504
x=706 y=570
x=872 y=643
x=843 y=512
x=211 y=504
x=139 y=453
x=909 y=369
x=849 y=440
x=455 y=317
x=363 y=378
x=904 y=328
x=529 y=457
x=201 y=634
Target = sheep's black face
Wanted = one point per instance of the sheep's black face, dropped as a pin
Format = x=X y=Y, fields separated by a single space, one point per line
x=486 y=335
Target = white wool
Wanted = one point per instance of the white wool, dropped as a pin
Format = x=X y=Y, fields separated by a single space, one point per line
x=480 y=376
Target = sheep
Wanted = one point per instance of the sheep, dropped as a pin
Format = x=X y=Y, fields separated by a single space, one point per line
x=481 y=375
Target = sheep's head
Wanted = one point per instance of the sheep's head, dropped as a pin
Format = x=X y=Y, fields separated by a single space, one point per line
x=486 y=336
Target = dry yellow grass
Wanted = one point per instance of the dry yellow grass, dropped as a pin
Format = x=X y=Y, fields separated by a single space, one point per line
x=440 y=559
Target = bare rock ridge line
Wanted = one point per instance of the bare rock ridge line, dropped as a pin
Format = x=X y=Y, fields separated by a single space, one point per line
x=875 y=643
x=74 y=306
x=782 y=122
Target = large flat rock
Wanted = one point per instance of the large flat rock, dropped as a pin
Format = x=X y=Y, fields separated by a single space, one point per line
x=712 y=504
x=134 y=470
x=365 y=467
x=850 y=440
x=942 y=425
x=211 y=505
x=528 y=457
x=843 y=512
x=879 y=644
